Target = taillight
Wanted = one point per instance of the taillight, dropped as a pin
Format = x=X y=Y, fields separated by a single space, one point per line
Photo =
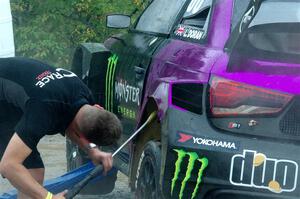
x=230 y=98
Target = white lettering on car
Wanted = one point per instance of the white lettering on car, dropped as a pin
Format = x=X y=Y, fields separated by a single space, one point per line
x=126 y=92
x=193 y=34
x=214 y=143
x=189 y=32
x=252 y=169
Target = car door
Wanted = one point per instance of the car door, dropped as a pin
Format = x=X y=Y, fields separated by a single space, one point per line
x=132 y=55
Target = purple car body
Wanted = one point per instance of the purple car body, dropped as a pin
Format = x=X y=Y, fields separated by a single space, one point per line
x=223 y=77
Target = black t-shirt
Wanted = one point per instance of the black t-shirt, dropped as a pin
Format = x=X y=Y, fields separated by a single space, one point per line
x=48 y=97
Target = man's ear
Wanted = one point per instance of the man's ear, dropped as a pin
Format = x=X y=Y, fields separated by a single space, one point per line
x=98 y=106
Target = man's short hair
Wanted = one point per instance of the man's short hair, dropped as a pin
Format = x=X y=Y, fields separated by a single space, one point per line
x=101 y=127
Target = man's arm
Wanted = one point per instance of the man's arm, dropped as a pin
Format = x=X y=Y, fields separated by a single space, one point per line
x=95 y=154
x=11 y=167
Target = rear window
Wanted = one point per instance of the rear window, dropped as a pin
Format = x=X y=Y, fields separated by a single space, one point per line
x=277 y=11
x=273 y=33
x=276 y=27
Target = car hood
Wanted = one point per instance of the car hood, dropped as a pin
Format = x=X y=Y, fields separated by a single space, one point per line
x=284 y=77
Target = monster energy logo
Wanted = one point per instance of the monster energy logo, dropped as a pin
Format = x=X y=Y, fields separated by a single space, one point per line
x=110 y=73
x=193 y=157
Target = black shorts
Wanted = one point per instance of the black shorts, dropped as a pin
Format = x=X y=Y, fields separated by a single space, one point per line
x=8 y=120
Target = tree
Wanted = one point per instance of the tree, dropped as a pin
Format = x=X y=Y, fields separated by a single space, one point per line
x=50 y=30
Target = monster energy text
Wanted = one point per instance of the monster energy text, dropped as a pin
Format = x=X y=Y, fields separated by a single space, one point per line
x=126 y=92
x=110 y=73
x=193 y=157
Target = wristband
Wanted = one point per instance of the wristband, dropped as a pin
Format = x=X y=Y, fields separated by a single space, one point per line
x=49 y=195
x=89 y=147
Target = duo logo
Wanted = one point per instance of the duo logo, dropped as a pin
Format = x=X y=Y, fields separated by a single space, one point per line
x=252 y=169
x=109 y=81
x=193 y=157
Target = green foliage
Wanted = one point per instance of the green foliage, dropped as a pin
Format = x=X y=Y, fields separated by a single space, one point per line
x=50 y=30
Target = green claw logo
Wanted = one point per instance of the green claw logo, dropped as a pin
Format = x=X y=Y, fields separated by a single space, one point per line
x=193 y=157
x=110 y=74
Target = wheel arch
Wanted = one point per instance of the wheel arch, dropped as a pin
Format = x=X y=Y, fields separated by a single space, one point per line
x=150 y=133
x=156 y=99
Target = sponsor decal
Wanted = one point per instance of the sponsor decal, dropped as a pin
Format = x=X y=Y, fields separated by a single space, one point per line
x=110 y=75
x=47 y=76
x=127 y=93
x=127 y=112
x=252 y=169
x=207 y=142
x=234 y=125
x=180 y=31
x=193 y=158
x=184 y=137
x=189 y=32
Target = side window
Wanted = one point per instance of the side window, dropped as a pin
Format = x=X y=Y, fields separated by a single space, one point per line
x=194 y=22
x=160 y=16
x=239 y=9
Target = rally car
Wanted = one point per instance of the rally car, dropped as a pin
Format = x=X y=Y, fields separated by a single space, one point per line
x=223 y=77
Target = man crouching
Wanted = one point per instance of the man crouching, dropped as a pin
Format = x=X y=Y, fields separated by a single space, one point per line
x=37 y=100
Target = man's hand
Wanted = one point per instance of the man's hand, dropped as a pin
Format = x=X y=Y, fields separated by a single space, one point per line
x=97 y=156
x=60 y=195
x=100 y=157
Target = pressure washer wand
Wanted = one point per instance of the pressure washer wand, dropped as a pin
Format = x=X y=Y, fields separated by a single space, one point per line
x=98 y=169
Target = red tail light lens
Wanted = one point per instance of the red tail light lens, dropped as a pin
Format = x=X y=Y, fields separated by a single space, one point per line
x=229 y=98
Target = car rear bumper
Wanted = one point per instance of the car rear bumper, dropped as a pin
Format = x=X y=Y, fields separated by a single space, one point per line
x=203 y=162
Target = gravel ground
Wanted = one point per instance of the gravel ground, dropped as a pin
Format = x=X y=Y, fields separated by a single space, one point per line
x=53 y=151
